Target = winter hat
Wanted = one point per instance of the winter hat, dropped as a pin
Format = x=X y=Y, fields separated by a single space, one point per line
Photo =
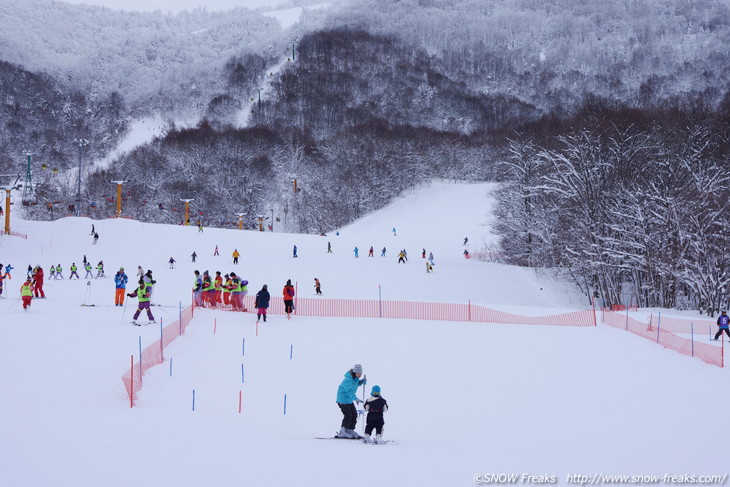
x=357 y=368
x=233 y=274
x=288 y=282
x=375 y=391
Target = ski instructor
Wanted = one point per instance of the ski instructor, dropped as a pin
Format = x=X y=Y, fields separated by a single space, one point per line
x=346 y=394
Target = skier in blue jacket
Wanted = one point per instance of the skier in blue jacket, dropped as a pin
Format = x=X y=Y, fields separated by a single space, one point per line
x=723 y=321
x=346 y=394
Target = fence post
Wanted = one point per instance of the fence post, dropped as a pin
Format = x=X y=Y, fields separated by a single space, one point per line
x=296 y=296
x=627 y=318
x=468 y=310
x=692 y=336
x=658 y=326
x=380 y=301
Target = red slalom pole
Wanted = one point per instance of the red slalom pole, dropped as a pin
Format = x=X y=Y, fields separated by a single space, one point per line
x=215 y=324
x=240 y=399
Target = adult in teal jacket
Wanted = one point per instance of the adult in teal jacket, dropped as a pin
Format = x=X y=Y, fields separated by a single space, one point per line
x=346 y=394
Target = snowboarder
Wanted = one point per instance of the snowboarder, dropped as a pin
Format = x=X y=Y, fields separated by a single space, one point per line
x=73 y=271
x=262 y=302
x=198 y=289
x=356 y=252
x=288 y=294
x=38 y=280
x=215 y=252
x=26 y=292
x=723 y=321
x=143 y=294
x=87 y=268
x=120 y=282
x=236 y=255
x=370 y=252
x=100 y=269
x=96 y=238
x=382 y=253
x=294 y=251
x=346 y=394
x=59 y=271
x=317 y=286
x=194 y=256
x=429 y=267
x=171 y=262
x=375 y=406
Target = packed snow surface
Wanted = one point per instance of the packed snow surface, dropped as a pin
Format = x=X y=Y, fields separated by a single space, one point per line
x=467 y=400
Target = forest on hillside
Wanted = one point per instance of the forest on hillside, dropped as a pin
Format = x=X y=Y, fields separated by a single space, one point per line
x=606 y=122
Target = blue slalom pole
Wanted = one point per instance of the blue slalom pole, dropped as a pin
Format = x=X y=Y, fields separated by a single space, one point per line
x=243 y=377
x=193 y=399
x=291 y=351
x=243 y=346
x=170 y=366
x=284 y=404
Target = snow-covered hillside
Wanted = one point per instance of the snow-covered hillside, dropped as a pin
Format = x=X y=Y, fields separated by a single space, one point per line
x=465 y=399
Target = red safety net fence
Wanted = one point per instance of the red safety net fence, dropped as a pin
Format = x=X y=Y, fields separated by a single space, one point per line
x=153 y=354
x=414 y=310
x=656 y=331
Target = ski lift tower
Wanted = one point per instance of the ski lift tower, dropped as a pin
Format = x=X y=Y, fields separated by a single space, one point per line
x=260 y=219
x=28 y=194
x=240 y=220
x=81 y=143
x=8 y=189
x=187 y=209
x=119 y=196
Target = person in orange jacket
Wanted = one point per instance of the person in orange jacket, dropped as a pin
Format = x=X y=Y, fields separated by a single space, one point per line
x=288 y=293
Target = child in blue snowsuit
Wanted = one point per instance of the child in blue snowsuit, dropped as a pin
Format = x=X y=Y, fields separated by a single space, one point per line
x=346 y=393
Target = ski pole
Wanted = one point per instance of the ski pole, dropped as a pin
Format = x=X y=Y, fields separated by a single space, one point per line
x=365 y=378
x=124 y=311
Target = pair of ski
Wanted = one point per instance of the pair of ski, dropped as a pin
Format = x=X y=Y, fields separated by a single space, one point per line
x=360 y=438
x=138 y=323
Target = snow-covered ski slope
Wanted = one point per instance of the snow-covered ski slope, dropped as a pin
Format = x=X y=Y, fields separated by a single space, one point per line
x=465 y=399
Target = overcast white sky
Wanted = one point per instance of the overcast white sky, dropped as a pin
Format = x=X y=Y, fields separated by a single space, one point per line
x=178 y=5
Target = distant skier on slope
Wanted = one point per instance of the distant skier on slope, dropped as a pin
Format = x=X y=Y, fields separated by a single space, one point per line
x=317 y=286
x=723 y=321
